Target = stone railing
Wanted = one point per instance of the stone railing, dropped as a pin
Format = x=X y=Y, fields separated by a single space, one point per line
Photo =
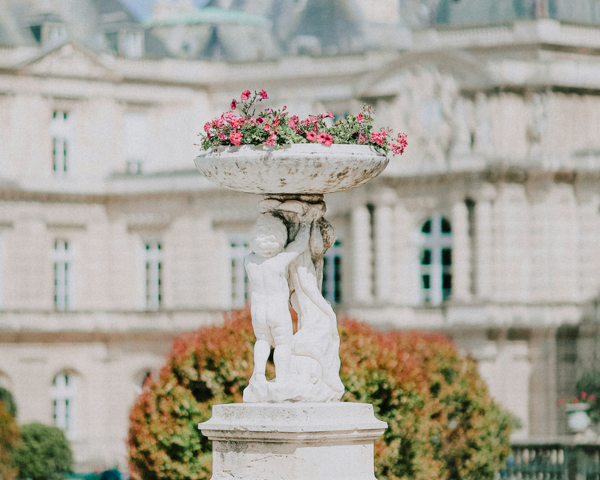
x=554 y=460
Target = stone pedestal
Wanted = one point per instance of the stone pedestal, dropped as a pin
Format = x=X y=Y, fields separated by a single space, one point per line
x=293 y=441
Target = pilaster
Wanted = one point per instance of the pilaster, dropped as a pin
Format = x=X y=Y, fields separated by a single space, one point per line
x=461 y=252
x=362 y=254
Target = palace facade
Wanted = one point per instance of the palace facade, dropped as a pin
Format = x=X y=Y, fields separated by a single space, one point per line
x=111 y=242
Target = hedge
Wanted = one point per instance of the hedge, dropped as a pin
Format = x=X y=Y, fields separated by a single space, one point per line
x=442 y=421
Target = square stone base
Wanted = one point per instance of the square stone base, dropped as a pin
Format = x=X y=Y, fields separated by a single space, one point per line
x=293 y=441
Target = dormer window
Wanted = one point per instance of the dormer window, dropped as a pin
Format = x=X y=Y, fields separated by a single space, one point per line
x=56 y=33
x=49 y=30
x=127 y=43
x=133 y=44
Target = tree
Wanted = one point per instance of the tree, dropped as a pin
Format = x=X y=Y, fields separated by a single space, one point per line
x=44 y=454
x=9 y=402
x=442 y=422
x=9 y=439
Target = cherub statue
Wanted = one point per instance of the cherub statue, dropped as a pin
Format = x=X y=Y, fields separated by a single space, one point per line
x=267 y=269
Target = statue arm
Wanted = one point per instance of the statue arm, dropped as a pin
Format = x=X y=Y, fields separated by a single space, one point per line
x=300 y=243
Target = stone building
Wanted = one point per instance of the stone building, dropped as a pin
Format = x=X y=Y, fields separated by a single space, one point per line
x=111 y=242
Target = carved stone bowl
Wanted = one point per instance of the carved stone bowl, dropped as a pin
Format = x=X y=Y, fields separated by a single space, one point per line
x=298 y=168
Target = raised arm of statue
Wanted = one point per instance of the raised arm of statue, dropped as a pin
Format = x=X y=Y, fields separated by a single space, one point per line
x=299 y=245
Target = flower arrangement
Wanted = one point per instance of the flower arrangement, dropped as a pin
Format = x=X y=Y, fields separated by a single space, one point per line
x=275 y=128
x=583 y=398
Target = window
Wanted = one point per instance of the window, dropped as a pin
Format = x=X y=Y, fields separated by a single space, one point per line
x=63 y=275
x=332 y=274
x=64 y=397
x=56 y=34
x=133 y=44
x=436 y=260
x=240 y=287
x=140 y=379
x=153 y=259
x=60 y=130
x=135 y=140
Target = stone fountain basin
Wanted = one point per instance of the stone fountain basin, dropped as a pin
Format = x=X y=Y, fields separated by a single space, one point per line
x=298 y=168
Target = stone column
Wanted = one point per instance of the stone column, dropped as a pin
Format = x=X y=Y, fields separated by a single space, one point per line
x=483 y=247
x=362 y=254
x=383 y=247
x=461 y=252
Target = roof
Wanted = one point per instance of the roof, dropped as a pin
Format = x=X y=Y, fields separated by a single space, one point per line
x=212 y=15
x=485 y=12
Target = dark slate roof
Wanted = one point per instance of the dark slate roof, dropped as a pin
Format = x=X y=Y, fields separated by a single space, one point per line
x=485 y=12
x=86 y=22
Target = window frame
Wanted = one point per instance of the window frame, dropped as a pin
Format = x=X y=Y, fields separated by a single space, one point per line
x=436 y=244
x=64 y=400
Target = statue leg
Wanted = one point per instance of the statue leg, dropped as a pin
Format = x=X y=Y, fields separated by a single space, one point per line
x=262 y=350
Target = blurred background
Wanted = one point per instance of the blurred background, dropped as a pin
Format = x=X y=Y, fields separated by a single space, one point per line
x=111 y=242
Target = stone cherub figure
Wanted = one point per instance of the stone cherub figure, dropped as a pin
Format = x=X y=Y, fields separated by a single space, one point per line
x=306 y=363
x=267 y=269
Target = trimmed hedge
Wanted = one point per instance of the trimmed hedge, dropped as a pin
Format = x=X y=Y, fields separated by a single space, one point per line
x=44 y=454
x=442 y=422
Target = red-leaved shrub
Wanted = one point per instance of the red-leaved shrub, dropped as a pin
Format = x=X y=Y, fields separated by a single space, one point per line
x=442 y=423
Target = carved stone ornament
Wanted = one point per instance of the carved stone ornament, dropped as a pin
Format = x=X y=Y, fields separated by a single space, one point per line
x=286 y=264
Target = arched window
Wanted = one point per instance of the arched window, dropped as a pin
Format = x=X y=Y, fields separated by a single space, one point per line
x=140 y=379
x=64 y=397
x=436 y=260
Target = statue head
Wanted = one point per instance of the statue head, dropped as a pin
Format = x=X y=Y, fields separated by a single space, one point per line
x=269 y=236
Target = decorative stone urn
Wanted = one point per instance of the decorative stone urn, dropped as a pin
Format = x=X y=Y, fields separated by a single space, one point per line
x=578 y=419
x=292 y=427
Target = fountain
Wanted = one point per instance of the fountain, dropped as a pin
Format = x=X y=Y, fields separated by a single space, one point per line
x=292 y=427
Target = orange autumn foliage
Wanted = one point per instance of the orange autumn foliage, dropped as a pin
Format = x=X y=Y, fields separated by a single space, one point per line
x=442 y=423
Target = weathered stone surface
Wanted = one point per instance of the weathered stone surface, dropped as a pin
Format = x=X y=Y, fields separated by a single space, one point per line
x=317 y=441
x=298 y=168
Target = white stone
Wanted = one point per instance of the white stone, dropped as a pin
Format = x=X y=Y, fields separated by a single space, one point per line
x=299 y=441
x=299 y=168
x=285 y=267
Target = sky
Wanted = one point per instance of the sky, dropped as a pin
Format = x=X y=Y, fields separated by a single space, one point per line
x=143 y=8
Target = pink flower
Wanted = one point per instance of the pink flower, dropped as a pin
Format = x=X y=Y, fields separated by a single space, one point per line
x=222 y=136
x=576 y=401
x=272 y=139
x=264 y=95
x=207 y=126
x=235 y=138
x=592 y=398
x=362 y=138
x=329 y=114
x=311 y=136
x=266 y=127
x=583 y=395
x=360 y=118
x=260 y=120
x=233 y=104
x=325 y=138
x=246 y=95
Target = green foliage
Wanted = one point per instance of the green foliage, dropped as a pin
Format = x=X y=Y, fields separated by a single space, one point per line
x=9 y=402
x=9 y=439
x=44 y=454
x=589 y=386
x=442 y=421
